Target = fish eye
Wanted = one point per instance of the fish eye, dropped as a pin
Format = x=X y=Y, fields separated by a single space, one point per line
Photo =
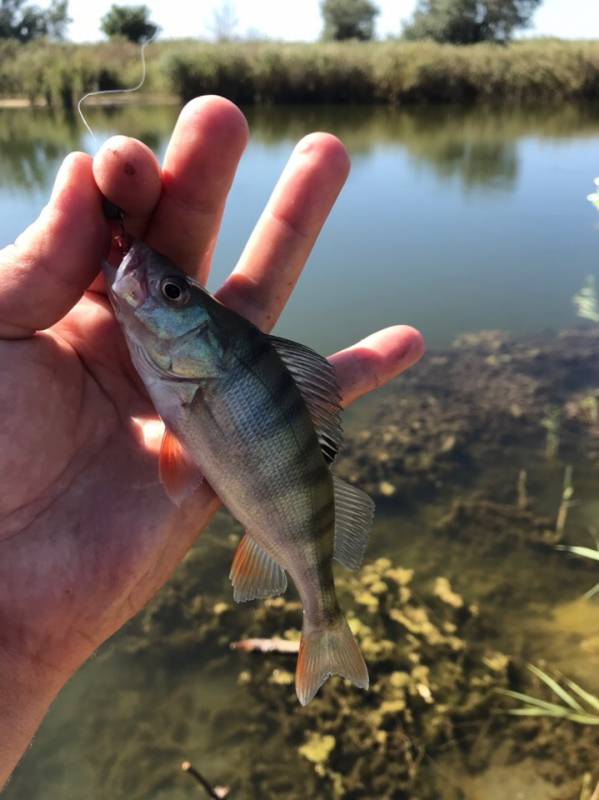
x=175 y=291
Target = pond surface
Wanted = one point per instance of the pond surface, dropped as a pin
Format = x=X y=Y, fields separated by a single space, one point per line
x=452 y=220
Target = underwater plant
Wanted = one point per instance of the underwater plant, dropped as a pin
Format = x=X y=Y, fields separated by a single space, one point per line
x=585 y=552
x=577 y=705
x=585 y=300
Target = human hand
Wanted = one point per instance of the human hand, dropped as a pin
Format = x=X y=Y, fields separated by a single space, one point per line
x=87 y=535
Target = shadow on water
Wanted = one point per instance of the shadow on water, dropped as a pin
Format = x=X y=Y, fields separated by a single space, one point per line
x=463 y=583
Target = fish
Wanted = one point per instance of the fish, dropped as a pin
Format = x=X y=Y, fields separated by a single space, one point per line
x=257 y=417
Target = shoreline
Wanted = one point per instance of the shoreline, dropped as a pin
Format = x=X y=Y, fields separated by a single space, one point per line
x=153 y=99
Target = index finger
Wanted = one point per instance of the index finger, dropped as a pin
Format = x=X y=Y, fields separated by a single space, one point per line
x=177 y=210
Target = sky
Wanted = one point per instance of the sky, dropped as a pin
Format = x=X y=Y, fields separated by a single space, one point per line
x=300 y=19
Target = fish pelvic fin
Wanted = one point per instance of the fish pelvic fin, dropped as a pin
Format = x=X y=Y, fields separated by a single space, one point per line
x=328 y=651
x=254 y=574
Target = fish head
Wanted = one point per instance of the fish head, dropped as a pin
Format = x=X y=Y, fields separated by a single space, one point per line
x=165 y=316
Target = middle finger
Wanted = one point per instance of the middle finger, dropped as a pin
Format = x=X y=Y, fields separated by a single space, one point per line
x=198 y=170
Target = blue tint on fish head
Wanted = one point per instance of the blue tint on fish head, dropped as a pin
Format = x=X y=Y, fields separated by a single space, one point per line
x=166 y=317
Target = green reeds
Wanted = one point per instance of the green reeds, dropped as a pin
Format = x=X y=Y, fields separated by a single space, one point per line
x=577 y=705
x=392 y=72
x=584 y=552
x=388 y=72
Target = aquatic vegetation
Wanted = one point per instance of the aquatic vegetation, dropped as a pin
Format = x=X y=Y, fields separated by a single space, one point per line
x=386 y=72
x=58 y=74
x=586 y=302
x=392 y=72
x=427 y=680
x=551 y=422
x=431 y=678
x=586 y=790
x=477 y=403
x=577 y=705
x=585 y=552
x=474 y=589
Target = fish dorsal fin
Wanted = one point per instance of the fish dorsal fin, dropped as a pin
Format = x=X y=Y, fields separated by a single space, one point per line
x=354 y=513
x=178 y=474
x=316 y=380
x=254 y=574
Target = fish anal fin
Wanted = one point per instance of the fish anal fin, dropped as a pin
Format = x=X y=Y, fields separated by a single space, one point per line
x=316 y=380
x=324 y=652
x=178 y=473
x=254 y=574
x=354 y=513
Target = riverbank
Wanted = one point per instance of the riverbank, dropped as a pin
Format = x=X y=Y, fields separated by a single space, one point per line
x=391 y=73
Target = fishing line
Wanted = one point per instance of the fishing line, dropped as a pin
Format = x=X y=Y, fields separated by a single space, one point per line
x=135 y=88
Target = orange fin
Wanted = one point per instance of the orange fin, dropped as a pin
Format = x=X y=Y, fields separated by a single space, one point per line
x=254 y=574
x=326 y=652
x=179 y=475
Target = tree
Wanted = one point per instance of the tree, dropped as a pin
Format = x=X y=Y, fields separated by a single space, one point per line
x=132 y=22
x=24 y=22
x=348 y=19
x=224 y=21
x=58 y=19
x=470 y=21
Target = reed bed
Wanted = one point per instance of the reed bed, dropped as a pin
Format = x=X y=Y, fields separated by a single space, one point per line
x=392 y=73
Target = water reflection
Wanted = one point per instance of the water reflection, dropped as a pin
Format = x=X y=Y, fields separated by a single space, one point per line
x=479 y=147
x=448 y=207
x=31 y=141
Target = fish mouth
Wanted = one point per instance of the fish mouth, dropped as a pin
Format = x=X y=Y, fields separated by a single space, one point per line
x=128 y=283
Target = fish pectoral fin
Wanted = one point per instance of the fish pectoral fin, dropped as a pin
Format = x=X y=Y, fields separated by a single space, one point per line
x=178 y=474
x=316 y=380
x=254 y=574
x=354 y=513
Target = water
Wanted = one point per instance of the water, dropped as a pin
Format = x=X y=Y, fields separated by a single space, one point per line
x=452 y=221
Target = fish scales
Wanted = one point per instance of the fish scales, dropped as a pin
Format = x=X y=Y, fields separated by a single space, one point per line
x=258 y=417
x=289 y=493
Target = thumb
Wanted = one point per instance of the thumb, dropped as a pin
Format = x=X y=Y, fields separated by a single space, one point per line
x=45 y=272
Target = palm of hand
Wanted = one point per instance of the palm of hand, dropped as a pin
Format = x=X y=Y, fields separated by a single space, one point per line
x=87 y=534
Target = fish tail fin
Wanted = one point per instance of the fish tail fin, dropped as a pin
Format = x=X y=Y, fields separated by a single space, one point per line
x=328 y=651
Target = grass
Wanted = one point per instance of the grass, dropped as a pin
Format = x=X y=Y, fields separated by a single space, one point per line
x=392 y=73
x=577 y=705
x=584 y=552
